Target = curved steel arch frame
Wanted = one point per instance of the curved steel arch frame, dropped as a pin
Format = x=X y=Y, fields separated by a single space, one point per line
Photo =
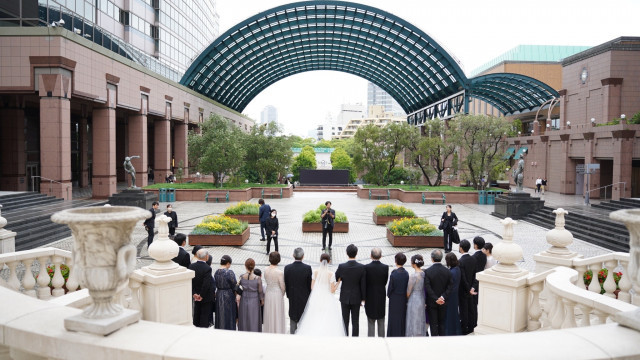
x=325 y=35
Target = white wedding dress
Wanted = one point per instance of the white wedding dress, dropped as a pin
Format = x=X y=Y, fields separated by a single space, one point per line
x=322 y=315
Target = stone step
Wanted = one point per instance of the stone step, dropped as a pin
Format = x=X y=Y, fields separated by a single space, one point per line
x=608 y=242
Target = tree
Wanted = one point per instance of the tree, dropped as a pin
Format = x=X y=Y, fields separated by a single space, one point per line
x=396 y=139
x=219 y=150
x=268 y=154
x=480 y=139
x=306 y=160
x=432 y=150
x=369 y=154
x=341 y=160
x=299 y=142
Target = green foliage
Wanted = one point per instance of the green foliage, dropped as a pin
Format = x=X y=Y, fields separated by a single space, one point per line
x=432 y=150
x=429 y=188
x=206 y=186
x=243 y=208
x=515 y=128
x=64 y=271
x=407 y=175
x=376 y=150
x=306 y=160
x=180 y=171
x=220 y=225
x=341 y=160
x=219 y=150
x=413 y=227
x=299 y=142
x=393 y=210
x=313 y=216
x=267 y=154
x=635 y=119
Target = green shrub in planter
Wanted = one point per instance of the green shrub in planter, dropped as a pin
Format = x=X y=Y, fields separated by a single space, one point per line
x=243 y=208
x=220 y=225
x=413 y=227
x=393 y=210
x=313 y=216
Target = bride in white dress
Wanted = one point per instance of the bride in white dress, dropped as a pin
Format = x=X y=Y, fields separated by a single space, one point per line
x=322 y=315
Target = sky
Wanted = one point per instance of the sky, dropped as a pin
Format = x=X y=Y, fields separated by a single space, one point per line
x=472 y=31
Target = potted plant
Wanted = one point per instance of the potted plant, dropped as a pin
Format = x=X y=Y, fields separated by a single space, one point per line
x=220 y=230
x=385 y=213
x=244 y=211
x=311 y=221
x=414 y=232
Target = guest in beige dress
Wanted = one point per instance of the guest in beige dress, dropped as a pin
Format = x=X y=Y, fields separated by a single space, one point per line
x=274 y=297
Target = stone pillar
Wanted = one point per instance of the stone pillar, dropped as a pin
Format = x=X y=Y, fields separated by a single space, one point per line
x=502 y=306
x=622 y=162
x=566 y=170
x=165 y=285
x=612 y=96
x=12 y=147
x=55 y=135
x=84 y=148
x=138 y=146
x=162 y=145
x=180 y=133
x=104 y=179
x=7 y=238
x=594 y=181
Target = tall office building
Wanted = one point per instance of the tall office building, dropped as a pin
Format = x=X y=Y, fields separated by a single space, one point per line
x=269 y=114
x=377 y=96
x=350 y=112
x=164 y=36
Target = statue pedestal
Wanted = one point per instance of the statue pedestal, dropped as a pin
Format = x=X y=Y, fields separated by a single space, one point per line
x=133 y=197
x=516 y=205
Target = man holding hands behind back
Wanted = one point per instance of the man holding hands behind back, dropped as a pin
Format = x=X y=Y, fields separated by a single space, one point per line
x=327 y=216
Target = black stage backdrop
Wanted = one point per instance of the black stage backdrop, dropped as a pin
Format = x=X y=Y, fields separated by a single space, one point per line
x=324 y=177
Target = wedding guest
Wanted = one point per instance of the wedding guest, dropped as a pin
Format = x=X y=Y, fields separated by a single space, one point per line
x=183 y=258
x=173 y=224
x=274 y=297
x=251 y=299
x=202 y=290
x=467 y=266
x=297 y=282
x=226 y=308
x=487 y=249
x=437 y=285
x=263 y=215
x=397 y=294
x=352 y=291
x=452 y=322
x=481 y=262
x=416 y=324
x=272 y=226
x=447 y=222
x=194 y=251
x=257 y=272
x=377 y=275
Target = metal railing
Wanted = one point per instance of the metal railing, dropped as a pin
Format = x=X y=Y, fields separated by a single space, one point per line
x=51 y=181
x=624 y=191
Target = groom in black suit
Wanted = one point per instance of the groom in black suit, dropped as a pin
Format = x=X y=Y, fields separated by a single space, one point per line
x=437 y=285
x=297 y=283
x=352 y=293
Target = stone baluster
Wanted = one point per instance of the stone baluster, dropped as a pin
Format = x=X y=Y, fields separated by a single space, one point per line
x=13 y=282
x=72 y=281
x=7 y=237
x=569 y=320
x=624 y=284
x=601 y=317
x=595 y=284
x=44 y=293
x=586 y=314
x=581 y=269
x=58 y=280
x=136 y=294
x=558 y=312
x=609 y=284
x=535 y=312
x=28 y=281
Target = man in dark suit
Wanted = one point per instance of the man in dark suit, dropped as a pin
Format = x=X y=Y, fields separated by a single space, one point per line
x=377 y=275
x=481 y=261
x=353 y=277
x=183 y=258
x=467 y=265
x=264 y=214
x=173 y=224
x=327 y=217
x=437 y=284
x=297 y=283
x=150 y=223
x=202 y=289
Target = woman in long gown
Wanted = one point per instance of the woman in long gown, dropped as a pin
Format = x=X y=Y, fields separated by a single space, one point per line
x=452 y=320
x=226 y=308
x=397 y=294
x=322 y=316
x=274 y=297
x=416 y=324
x=252 y=298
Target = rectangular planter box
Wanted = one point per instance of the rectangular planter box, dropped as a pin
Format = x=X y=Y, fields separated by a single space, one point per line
x=251 y=219
x=317 y=227
x=415 y=241
x=218 y=240
x=383 y=220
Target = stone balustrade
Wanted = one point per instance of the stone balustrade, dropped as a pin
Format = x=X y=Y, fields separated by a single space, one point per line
x=41 y=286
x=611 y=262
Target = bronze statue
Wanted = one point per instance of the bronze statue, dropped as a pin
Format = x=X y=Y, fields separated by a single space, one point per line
x=128 y=167
x=518 y=172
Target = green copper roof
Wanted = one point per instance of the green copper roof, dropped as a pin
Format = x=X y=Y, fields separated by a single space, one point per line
x=532 y=53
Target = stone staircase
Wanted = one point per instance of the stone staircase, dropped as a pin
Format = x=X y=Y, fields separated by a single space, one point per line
x=613 y=205
x=29 y=215
x=587 y=224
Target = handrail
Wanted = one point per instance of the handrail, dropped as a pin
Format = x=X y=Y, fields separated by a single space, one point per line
x=624 y=191
x=51 y=181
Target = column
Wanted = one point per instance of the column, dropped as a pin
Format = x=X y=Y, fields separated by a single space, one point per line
x=594 y=179
x=180 y=133
x=138 y=146
x=612 y=95
x=622 y=162
x=565 y=167
x=162 y=144
x=12 y=147
x=55 y=135
x=104 y=147
x=84 y=148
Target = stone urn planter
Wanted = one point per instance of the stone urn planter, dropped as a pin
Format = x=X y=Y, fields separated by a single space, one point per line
x=219 y=240
x=251 y=219
x=383 y=220
x=103 y=257
x=415 y=241
x=317 y=227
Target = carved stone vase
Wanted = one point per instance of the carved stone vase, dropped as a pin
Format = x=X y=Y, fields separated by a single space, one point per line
x=507 y=252
x=104 y=257
x=559 y=237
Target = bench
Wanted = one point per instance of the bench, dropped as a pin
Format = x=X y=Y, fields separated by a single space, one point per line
x=271 y=192
x=433 y=196
x=217 y=194
x=378 y=193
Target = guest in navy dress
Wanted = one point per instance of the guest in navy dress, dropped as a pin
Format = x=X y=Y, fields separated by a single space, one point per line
x=452 y=322
x=397 y=294
x=226 y=306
